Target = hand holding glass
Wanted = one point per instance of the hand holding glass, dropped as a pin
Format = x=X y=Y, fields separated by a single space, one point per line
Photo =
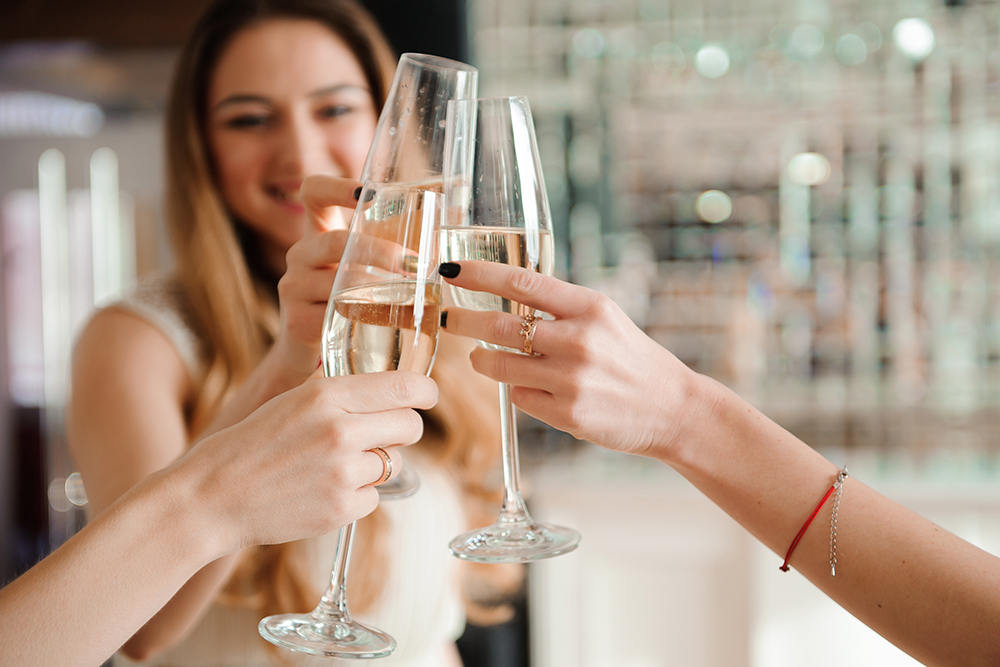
x=385 y=307
x=383 y=315
x=498 y=211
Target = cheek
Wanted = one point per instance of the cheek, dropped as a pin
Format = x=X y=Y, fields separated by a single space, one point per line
x=349 y=145
x=237 y=164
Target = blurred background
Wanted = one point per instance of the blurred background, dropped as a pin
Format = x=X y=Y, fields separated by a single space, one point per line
x=800 y=198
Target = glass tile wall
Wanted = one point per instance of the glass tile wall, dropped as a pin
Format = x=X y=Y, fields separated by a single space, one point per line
x=801 y=199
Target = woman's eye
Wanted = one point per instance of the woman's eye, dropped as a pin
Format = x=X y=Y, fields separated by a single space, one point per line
x=334 y=110
x=247 y=121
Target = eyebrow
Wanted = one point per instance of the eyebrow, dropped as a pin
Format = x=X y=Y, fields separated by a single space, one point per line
x=244 y=98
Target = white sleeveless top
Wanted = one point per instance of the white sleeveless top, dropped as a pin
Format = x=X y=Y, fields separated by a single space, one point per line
x=420 y=605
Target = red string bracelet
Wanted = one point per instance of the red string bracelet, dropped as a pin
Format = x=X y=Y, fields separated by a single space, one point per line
x=837 y=486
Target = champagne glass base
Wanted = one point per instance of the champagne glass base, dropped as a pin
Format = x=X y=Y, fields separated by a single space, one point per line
x=327 y=638
x=519 y=542
x=403 y=485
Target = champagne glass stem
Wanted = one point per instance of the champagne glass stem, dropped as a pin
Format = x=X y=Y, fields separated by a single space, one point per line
x=513 y=509
x=333 y=605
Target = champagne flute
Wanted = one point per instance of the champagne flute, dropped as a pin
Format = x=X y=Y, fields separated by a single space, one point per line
x=383 y=315
x=385 y=303
x=409 y=147
x=498 y=211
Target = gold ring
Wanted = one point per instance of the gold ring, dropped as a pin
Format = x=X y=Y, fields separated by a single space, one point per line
x=528 y=325
x=386 y=464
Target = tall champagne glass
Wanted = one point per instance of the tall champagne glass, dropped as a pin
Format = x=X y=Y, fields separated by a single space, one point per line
x=384 y=309
x=383 y=315
x=409 y=148
x=498 y=211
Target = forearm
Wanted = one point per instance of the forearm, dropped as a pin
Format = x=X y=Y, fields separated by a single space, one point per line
x=929 y=592
x=78 y=605
x=269 y=379
x=176 y=619
x=177 y=616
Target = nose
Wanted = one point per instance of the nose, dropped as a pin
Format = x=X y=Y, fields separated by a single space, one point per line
x=302 y=149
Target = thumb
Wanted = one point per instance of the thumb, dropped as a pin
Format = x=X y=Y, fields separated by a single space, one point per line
x=322 y=194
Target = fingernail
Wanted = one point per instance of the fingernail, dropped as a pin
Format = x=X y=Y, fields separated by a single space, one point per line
x=357 y=192
x=411 y=264
x=449 y=269
x=444 y=319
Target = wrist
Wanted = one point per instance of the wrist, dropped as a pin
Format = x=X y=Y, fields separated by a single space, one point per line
x=175 y=509
x=289 y=364
x=697 y=421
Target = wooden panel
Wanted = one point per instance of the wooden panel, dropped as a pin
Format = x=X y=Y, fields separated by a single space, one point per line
x=107 y=22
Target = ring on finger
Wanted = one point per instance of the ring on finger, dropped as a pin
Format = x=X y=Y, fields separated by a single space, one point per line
x=386 y=465
x=528 y=325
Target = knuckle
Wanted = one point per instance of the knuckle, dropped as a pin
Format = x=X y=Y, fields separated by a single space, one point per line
x=499 y=327
x=576 y=346
x=573 y=417
x=603 y=308
x=500 y=363
x=525 y=283
x=400 y=389
x=412 y=426
x=337 y=435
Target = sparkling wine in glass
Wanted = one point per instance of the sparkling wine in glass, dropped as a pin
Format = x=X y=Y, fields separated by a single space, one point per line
x=498 y=211
x=383 y=315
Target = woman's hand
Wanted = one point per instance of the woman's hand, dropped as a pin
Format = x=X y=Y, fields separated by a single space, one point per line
x=300 y=465
x=310 y=268
x=593 y=373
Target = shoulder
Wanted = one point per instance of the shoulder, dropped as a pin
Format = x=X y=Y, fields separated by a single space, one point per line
x=118 y=344
x=157 y=311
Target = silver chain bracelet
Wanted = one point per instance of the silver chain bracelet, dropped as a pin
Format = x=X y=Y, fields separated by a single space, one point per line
x=839 y=486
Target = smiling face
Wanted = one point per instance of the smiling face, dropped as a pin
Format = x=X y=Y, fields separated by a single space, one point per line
x=287 y=99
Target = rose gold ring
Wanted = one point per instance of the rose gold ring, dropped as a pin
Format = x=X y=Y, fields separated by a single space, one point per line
x=528 y=325
x=386 y=464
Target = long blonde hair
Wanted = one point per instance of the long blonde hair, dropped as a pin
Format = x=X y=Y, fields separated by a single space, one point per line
x=232 y=300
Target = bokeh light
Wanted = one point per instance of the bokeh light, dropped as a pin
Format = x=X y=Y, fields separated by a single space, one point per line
x=712 y=61
x=58 y=499
x=714 y=206
x=851 y=49
x=914 y=37
x=806 y=41
x=75 y=491
x=809 y=169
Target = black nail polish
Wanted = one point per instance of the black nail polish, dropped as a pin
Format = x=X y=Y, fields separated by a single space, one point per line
x=444 y=319
x=449 y=269
x=357 y=192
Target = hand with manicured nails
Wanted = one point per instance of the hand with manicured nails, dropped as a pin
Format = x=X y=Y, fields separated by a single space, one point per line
x=597 y=376
x=593 y=373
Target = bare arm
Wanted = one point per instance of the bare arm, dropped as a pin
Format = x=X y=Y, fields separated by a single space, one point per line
x=130 y=393
x=600 y=378
x=79 y=604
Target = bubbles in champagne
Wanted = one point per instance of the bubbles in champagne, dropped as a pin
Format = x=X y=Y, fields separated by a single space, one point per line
x=382 y=327
x=507 y=245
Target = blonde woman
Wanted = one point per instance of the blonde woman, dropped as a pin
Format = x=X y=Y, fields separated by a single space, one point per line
x=266 y=93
